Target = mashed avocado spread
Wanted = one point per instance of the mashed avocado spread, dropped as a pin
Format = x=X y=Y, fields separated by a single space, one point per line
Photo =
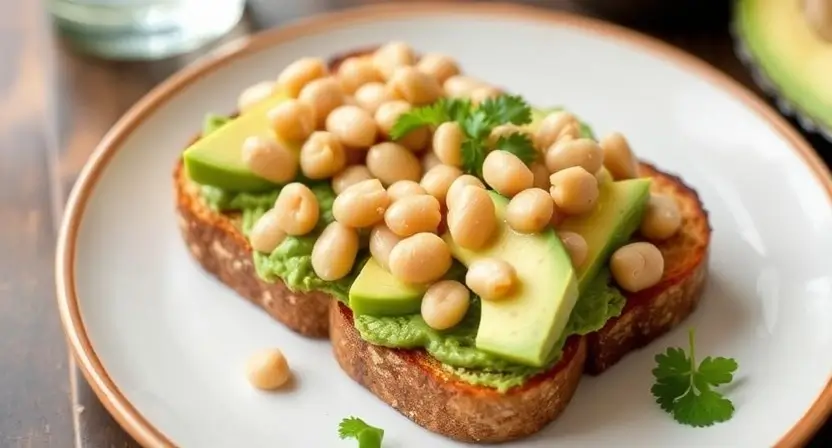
x=454 y=348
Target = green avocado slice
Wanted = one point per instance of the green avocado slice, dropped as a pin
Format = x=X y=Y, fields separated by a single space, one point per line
x=376 y=292
x=216 y=159
x=525 y=326
x=610 y=224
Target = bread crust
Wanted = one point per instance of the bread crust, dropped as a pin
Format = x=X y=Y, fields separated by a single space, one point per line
x=216 y=241
x=414 y=384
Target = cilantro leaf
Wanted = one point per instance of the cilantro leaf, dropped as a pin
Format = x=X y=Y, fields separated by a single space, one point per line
x=473 y=156
x=476 y=124
x=507 y=109
x=445 y=109
x=367 y=436
x=685 y=390
x=518 y=144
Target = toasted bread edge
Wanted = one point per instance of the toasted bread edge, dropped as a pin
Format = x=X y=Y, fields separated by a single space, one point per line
x=217 y=243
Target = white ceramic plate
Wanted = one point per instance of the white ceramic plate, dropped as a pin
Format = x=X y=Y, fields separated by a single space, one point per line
x=164 y=344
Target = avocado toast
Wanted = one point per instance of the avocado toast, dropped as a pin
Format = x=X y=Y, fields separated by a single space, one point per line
x=489 y=376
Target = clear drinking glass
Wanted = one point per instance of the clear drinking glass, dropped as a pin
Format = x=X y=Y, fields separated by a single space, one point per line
x=143 y=29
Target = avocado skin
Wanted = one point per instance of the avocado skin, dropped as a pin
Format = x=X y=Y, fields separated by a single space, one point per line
x=778 y=41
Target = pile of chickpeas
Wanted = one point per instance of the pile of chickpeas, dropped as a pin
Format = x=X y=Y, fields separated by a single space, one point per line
x=405 y=192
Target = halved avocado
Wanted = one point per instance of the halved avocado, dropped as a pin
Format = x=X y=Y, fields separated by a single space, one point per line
x=524 y=326
x=792 y=43
x=376 y=292
x=216 y=159
x=610 y=224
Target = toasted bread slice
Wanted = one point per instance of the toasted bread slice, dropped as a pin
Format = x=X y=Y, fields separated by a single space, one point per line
x=411 y=381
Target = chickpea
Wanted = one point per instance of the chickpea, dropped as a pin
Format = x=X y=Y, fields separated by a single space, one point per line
x=491 y=278
x=254 y=94
x=458 y=185
x=388 y=113
x=334 y=252
x=322 y=156
x=299 y=73
x=352 y=125
x=447 y=143
x=350 y=176
x=576 y=246
x=439 y=66
x=268 y=369
x=382 y=241
x=421 y=258
x=472 y=218
x=269 y=159
x=552 y=127
x=392 y=56
x=372 y=95
x=574 y=190
x=361 y=205
x=530 y=211
x=445 y=304
x=414 y=86
x=356 y=72
x=662 y=218
x=541 y=175
x=323 y=96
x=292 y=120
x=461 y=86
x=413 y=214
x=297 y=209
x=391 y=162
x=438 y=180
x=582 y=152
x=506 y=173
x=403 y=188
x=430 y=160
x=481 y=94
x=266 y=234
x=618 y=157
x=637 y=266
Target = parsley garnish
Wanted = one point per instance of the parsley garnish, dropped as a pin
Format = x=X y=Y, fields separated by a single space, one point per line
x=685 y=390
x=477 y=124
x=367 y=436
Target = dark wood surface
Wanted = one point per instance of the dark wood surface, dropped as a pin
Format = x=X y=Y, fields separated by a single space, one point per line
x=54 y=107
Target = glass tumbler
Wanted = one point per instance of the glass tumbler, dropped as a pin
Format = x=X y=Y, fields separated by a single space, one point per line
x=143 y=29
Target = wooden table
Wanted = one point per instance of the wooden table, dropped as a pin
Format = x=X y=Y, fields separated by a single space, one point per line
x=54 y=107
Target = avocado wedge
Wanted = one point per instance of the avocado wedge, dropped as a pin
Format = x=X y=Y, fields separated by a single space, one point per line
x=216 y=159
x=524 y=326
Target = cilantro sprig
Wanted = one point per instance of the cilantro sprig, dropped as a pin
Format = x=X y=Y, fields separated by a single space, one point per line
x=686 y=391
x=476 y=122
x=368 y=436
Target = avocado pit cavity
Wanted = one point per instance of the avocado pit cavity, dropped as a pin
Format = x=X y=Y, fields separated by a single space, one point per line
x=819 y=15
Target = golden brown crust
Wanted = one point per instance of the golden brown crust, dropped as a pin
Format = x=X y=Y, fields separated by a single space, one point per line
x=414 y=384
x=653 y=312
x=217 y=243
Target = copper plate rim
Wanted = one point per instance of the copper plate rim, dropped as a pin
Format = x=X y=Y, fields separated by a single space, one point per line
x=104 y=387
